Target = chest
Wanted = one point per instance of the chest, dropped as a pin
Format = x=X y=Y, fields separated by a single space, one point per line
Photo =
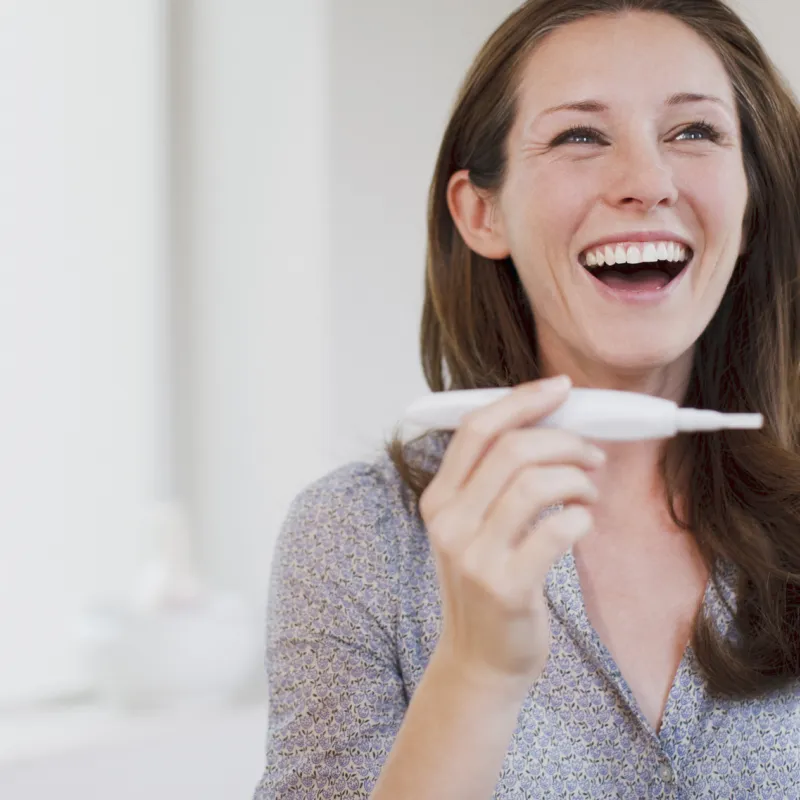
x=644 y=615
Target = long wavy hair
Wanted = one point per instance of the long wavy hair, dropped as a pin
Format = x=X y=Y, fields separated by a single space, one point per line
x=478 y=331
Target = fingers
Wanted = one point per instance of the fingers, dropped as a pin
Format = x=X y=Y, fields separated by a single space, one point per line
x=525 y=405
x=511 y=459
x=497 y=476
x=545 y=545
x=511 y=516
x=517 y=576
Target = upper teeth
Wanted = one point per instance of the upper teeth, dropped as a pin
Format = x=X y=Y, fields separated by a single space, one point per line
x=635 y=253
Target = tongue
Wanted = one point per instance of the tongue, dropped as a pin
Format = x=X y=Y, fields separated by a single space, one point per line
x=640 y=281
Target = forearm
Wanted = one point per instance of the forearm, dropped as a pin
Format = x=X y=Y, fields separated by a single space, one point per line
x=453 y=740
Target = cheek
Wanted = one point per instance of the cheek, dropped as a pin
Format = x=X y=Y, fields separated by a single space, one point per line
x=719 y=197
x=545 y=210
x=718 y=203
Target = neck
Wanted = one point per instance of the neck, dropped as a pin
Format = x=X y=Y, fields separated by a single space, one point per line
x=631 y=477
x=633 y=508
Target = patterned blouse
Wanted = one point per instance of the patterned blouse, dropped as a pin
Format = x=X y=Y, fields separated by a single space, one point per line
x=354 y=616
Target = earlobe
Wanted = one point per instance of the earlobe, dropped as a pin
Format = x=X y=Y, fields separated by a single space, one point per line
x=477 y=217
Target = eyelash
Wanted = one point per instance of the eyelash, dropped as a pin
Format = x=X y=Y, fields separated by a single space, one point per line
x=712 y=134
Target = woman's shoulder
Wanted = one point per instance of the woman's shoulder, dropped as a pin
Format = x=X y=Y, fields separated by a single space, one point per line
x=361 y=501
x=354 y=527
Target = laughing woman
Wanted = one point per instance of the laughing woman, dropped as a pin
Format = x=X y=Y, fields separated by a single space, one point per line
x=614 y=205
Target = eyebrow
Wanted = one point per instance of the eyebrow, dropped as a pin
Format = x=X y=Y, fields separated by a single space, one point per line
x=689 y=97
x=596 y=107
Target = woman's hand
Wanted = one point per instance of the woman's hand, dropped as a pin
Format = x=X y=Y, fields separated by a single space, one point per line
x=495 y=479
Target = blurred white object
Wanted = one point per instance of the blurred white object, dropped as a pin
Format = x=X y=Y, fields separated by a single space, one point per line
x=176 y=642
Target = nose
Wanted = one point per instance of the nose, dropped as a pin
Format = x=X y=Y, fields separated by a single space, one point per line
x=642 y=180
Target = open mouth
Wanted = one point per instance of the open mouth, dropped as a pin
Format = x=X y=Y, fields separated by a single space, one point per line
x=637 y=267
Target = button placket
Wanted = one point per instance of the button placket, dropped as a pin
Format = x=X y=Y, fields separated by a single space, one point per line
x=665 y=773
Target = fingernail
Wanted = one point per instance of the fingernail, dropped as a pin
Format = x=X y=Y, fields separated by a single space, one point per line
x=597 y=456
x=557 y=384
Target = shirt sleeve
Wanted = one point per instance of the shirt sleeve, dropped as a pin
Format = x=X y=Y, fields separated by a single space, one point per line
x=336 y=697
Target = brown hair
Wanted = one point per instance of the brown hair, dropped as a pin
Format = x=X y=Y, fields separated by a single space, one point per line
x=478 y=331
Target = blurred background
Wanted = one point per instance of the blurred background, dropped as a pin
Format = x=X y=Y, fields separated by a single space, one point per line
x=212 y=235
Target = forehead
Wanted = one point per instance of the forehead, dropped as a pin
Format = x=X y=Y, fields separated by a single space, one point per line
x=624 y=60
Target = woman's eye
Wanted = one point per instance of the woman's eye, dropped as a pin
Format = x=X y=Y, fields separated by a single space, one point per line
x=578 y=136
x=698 y=133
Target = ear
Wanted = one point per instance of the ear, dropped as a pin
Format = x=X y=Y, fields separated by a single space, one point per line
x=477 y=217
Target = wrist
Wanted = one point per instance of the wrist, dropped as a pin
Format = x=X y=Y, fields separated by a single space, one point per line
x=499 y=690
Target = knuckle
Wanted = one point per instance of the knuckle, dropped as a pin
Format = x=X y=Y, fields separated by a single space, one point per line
x=531 y=480
x=437 y=524
x=445 y=533
x=527 y=485
x=512 y=447
x=577 y=479
x=567 y=443
x=475 y=425
x=587 y=448
x=441 y=537
x=444 y=546
x=589 y=486
x=427 y=503
x=573 y=474
x=574 y=440
x=547 y=480
x=564 y=440
x=570 y=437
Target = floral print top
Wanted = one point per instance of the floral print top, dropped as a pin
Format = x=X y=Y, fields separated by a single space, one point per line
x=354 y=616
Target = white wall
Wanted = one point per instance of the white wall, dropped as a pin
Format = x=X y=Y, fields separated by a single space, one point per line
x=309 y=138
x=81 y=208
x=252 y=272
x=775 y=23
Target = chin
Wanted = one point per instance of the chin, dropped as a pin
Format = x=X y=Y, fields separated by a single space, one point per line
x=638 y=357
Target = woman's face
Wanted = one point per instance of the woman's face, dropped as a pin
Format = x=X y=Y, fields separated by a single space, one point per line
x=651 y=170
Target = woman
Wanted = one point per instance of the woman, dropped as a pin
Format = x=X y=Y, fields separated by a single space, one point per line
x=427 y=641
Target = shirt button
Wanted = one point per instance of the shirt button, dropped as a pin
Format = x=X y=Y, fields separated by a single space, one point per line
x=665 y=773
